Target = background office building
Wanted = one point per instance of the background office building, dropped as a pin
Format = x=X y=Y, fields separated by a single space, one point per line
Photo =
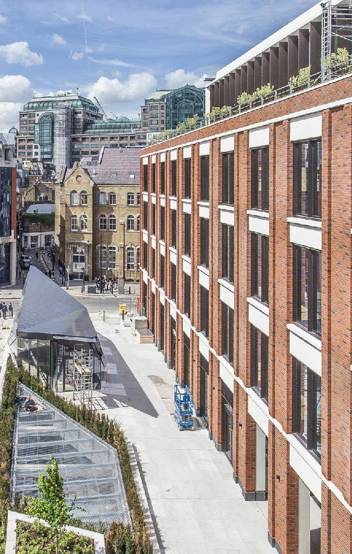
x=47 y=123
x=114 y=133
x=7 y=215
x=165 y=109
x=246 y=278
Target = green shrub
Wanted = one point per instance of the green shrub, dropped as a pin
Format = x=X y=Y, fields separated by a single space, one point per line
x=34 y=538
x=244 y=99
x=301 y=79
x=338 y=60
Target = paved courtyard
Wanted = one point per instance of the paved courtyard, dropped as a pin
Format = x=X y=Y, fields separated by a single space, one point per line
x=197 y=506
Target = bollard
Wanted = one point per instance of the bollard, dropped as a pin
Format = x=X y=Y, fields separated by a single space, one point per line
x=103 y=315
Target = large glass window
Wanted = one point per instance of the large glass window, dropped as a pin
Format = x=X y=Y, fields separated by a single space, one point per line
x=153 y=177
x=112 y=257
x=187 y=233
x=260 y=267
x=203 y=387
x=130 y=223
x=44 y=136
x=259 y=362
x=145 y=178
x=130 y=259
x=228 y=178
x=186 y=360
x=307 y=288
x=162 y=271
x=307 y=406
x=204 y=311
x=101 y=251
x=227 y=252
x=145 y=215
x=227 y=332
x=187 y=177
x=162 y=177
x=173 y=281
x=307 y=178
x=162 y=223
x=187 y=294
x=130 y=199
x=260 y=178
x=204 y=242
x=204 y=178
x=112 y=198
x=174 y=228
x=173 y=177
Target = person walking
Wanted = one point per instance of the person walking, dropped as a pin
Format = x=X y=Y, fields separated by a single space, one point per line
x=10 y=310
x=4 y=311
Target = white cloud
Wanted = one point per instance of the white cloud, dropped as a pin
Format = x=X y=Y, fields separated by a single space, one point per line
x=58 y=40
x=9 y=114
x=20 y=53
x=61 y=18
x=84 y=17
x=136 y=86
x=15 y=88
x=76 y=56
x=180 y=77
x=114 y=62
x=3 y=19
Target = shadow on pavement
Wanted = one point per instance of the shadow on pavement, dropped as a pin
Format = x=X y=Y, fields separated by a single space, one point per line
x=119 y=384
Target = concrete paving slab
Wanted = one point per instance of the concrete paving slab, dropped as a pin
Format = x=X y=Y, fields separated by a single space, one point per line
x=196 y=503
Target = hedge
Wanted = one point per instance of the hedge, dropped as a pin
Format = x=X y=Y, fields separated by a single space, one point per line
x=119 y=539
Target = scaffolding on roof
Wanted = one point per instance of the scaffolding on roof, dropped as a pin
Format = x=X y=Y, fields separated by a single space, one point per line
x=336 y=28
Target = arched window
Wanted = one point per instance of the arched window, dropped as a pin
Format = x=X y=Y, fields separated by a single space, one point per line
x=130 y=223
x=101 y=251
x=74 y=223
x=130 y=258
x=112 y=257
x=102 y=222
x=112 y=222
x=130 y=199
x=138 y=223
x=84 y=198
x=74 y=198
x=83 y=220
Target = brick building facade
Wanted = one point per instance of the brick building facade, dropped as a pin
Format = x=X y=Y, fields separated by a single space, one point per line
x=246 y=283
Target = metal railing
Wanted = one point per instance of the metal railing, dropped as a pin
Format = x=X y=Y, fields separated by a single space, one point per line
x=322 y=77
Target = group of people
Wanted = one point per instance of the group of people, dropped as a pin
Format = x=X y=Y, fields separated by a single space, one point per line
x=105 y=285
x=6 y=309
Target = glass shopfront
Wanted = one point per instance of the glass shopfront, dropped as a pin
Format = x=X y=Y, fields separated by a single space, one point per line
x=64 y=366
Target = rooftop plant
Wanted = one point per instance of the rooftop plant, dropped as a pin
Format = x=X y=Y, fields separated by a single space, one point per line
x=301 y=79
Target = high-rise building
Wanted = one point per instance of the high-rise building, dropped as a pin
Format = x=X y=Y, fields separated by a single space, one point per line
x=165 y=109
x=246 y=274
x=47 y=123
x=8 y=229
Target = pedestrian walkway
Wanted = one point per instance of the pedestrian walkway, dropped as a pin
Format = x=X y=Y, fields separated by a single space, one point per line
x=197 y=505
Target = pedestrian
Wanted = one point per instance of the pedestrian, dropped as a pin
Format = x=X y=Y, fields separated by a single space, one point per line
x=1 y=306
x=37 y=255
x=49 y=273
x=112 y=287
x=11 y=309
x=4 y=310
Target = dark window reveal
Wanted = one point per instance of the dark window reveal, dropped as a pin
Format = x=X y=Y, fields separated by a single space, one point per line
x=259 y=362
x=227 y=253
x=307 y=406
x=204 y=178
x=227 y=330
x=228 y=178
x=187 y=177
x=260 y=179
x=307 y=178
x=260 y=267
x=307 y=288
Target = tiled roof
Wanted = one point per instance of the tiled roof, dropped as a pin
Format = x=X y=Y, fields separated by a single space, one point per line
x=116 y=167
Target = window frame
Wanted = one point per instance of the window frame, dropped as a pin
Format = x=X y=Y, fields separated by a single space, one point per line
x=313 y=270
x=313 y=208
x=260 y=267
x=259 y=362
x=204 y=178
x=260 y=196
x=228 y=178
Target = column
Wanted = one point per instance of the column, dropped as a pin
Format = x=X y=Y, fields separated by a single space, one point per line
x=274 y=66
x=303 y=48
x=315 y=47
x=265 y=66
x=283 y=64
x=292 y=56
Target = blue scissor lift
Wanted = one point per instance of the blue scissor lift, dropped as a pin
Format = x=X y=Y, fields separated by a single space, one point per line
x=183 y=407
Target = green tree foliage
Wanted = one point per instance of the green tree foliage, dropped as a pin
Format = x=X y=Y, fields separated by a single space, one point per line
x=51 y=504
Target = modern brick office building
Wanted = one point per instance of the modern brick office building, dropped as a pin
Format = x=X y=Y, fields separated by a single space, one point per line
x=246 y=281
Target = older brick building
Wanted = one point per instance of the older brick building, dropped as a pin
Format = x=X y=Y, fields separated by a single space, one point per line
x=246 y=284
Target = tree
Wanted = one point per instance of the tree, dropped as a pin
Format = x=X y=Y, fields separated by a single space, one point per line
x=51 y=505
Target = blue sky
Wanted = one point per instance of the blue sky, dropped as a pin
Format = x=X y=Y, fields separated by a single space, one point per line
x=121 y=50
